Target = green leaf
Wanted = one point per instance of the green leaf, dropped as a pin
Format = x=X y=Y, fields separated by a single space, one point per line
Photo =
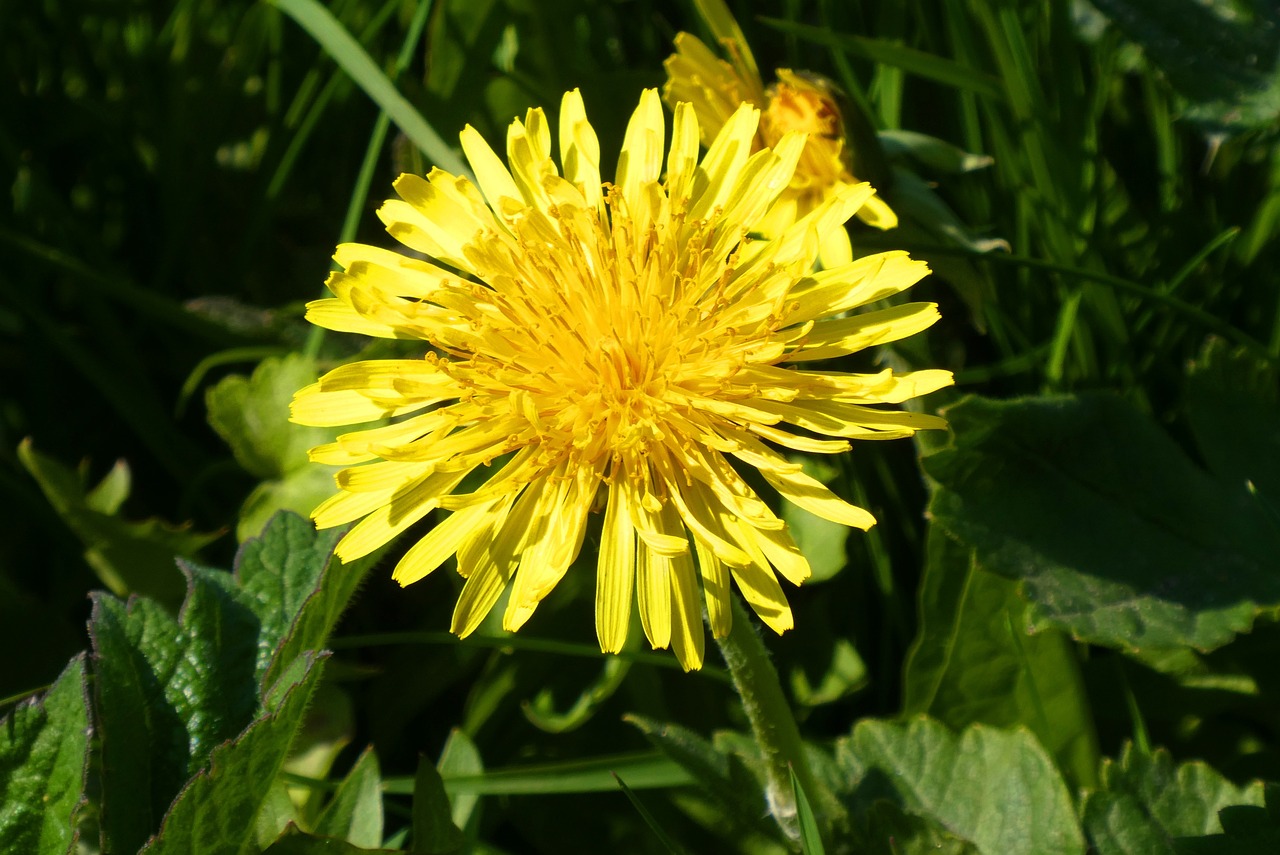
x=299 y=587
x=1146 y=801
x=216 y=810
x=297 y=842
x=44 y=756
x=893 y=831
x=1233 y=406
x=975 y=661
x=355 y=812
x=167 y=694
x=461 y=758
x=251 y=414
x=995 y=788
x=722 y=774
x=129 y=557
x=434 y=832
x=347 y=52
x=1220 y=59
x=301 y=492
x=542 y=713
x=1117 y=537
x=845 y=674
x=938 y=155
x=810 y=836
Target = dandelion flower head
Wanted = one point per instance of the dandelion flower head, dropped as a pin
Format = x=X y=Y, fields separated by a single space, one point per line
x=618 y=348
x=797 y=101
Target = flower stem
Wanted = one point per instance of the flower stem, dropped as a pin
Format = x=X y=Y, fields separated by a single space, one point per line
x=772 y=723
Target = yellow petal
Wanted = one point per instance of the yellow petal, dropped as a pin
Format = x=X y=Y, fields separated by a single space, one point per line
x=687 y=636
x=491 y=173
x=640 y=162
x=653 y=587
x=837 y=337
x=615 y=575
x=715 y=589
x=440 y=543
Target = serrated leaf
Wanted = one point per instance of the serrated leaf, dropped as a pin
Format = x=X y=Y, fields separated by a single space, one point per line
x=167 y=693
x=434 y=832
x=279 y=572
x=976 y=661
x=301 y=589
x=1146 y=802
x=998 y=789
x=129 y=557
x=893 y=831
x=251 y=414
x=216 y=810
x=355 y=812
x=1117 y=536
x=170 y=691
x=44 y=756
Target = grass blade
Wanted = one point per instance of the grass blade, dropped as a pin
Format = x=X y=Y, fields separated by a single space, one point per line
x=353 y=59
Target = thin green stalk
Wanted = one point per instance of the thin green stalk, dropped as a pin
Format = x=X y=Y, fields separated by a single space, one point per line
x=360 y=193
x=772 y=723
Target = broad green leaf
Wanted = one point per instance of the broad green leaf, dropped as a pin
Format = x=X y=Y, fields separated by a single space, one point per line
x=976 y=661
x=169 y=691
x=216 y=810
x=995 y=788
x=301 y=492
x=129 y=557
x=1246 y=829
x=459 y=758
x=251 y=414
x=1222 y=61
x=1233 y=406
x=434 y=832
x=1146 y=803
x=279 y=573
x=355 y=812
x=301 y=588
x=1116 y=535
x=167 y=694
x=44 y=756
x=892 y=831
x=347 y=52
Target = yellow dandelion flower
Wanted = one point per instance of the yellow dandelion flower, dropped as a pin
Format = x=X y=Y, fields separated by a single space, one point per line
x=620 y=347
x=795 y=102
